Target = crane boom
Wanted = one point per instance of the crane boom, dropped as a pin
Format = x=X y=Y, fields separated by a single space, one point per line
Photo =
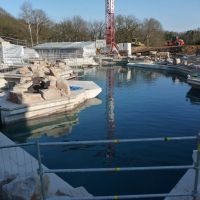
x=110 y=23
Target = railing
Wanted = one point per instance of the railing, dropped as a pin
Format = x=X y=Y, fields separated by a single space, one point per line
x=41 y=171
x=15 y=40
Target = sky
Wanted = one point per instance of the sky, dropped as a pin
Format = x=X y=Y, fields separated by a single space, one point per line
x=174 y=15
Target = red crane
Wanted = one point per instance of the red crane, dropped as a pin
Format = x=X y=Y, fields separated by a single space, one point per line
x=110 y=25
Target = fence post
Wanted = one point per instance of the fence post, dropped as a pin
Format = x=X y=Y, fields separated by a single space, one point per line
x=196 y=167
x=40 y=170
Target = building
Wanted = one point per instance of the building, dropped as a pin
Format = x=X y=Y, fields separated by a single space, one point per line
x=11 y=54
x=66 y=50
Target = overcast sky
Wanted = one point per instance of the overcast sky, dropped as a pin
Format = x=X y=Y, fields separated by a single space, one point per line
x=174 y=15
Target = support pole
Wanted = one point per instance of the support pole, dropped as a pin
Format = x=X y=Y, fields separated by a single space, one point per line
x=196 y=167
x=40 y=170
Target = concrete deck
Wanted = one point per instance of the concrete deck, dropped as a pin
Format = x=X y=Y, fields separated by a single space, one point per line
x=11 y=112
x=80 y=62
x=185 y=185
x=176 y=69
x=147 y=65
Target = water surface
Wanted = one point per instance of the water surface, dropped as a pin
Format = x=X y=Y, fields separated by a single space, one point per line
x=134 y=104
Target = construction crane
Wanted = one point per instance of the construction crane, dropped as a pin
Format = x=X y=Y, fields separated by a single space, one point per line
x=110 y=25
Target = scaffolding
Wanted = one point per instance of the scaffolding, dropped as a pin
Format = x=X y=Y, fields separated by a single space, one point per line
x=66 y=50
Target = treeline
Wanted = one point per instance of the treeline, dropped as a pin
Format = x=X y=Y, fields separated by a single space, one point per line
x=191 y=37
x=36 y=27
x=11 y=27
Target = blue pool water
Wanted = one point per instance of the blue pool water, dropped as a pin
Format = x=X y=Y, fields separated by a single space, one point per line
x=134 y=104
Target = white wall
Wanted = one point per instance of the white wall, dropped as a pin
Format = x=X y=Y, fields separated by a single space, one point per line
x=1 y=54
x=12 y=54
x=125 y=47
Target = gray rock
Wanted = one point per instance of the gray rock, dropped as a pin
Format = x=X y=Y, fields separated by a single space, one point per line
x=3 y=181
x=38 y=73
x=55 y=72
x=76 y=192
x=20 y=189
x=50 y=94
x=25 y=188
x=59 y=198
x=81 y=192
x=52 y=80
x=28 y=98
x=25 y=80
x=24 y=70
x=46 y=70
x=63 y=86
x=61 y=65
x=22 y=87
x=24 y=98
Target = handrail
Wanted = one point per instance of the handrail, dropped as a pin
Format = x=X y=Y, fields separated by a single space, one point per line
x=120 y=169
x=137 y=196
x=117 y=141
x=42 y=171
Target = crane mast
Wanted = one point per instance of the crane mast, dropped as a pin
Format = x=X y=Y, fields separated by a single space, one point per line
x=110 y=24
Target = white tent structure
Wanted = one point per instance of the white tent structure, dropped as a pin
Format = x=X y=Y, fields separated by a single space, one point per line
x=66 y=50
x=10 y=53
x=30 y=54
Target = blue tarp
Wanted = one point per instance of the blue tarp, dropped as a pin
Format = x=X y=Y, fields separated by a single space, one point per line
x=75 y=88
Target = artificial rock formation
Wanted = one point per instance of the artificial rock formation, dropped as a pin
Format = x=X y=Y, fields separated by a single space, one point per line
x=45 y=83
x=43 y=68
x=27 y=188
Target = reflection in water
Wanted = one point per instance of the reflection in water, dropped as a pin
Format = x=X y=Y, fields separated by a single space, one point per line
x=194 y=96
x=110 y=81
x=51 y=126
x=178 y=79
x=129 y=76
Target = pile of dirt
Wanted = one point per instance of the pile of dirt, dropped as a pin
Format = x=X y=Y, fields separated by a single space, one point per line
x=191 y=49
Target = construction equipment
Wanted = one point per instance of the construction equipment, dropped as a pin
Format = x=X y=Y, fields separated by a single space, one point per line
x=110 y=26
x=176 y=41
x=136 y=43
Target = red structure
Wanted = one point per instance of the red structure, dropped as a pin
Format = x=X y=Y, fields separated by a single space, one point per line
x=176 y=41
x=110 y=24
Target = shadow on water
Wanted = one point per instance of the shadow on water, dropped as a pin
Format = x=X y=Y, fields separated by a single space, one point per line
x=55 y=125
x=194 y=96
x=51 y=126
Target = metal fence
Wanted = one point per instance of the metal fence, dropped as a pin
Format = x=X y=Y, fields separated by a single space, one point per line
x=15 y=40
x=42 y=171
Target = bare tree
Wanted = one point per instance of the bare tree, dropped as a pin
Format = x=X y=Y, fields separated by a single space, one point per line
x=153 y=32
x=39 y=18
x=80 y=28
x=127 y=28
x=64 y=31
x=96 y=29
x=27 y=16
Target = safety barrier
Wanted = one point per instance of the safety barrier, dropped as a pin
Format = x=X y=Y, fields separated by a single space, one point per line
x=15 y=40
x=42 y=171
